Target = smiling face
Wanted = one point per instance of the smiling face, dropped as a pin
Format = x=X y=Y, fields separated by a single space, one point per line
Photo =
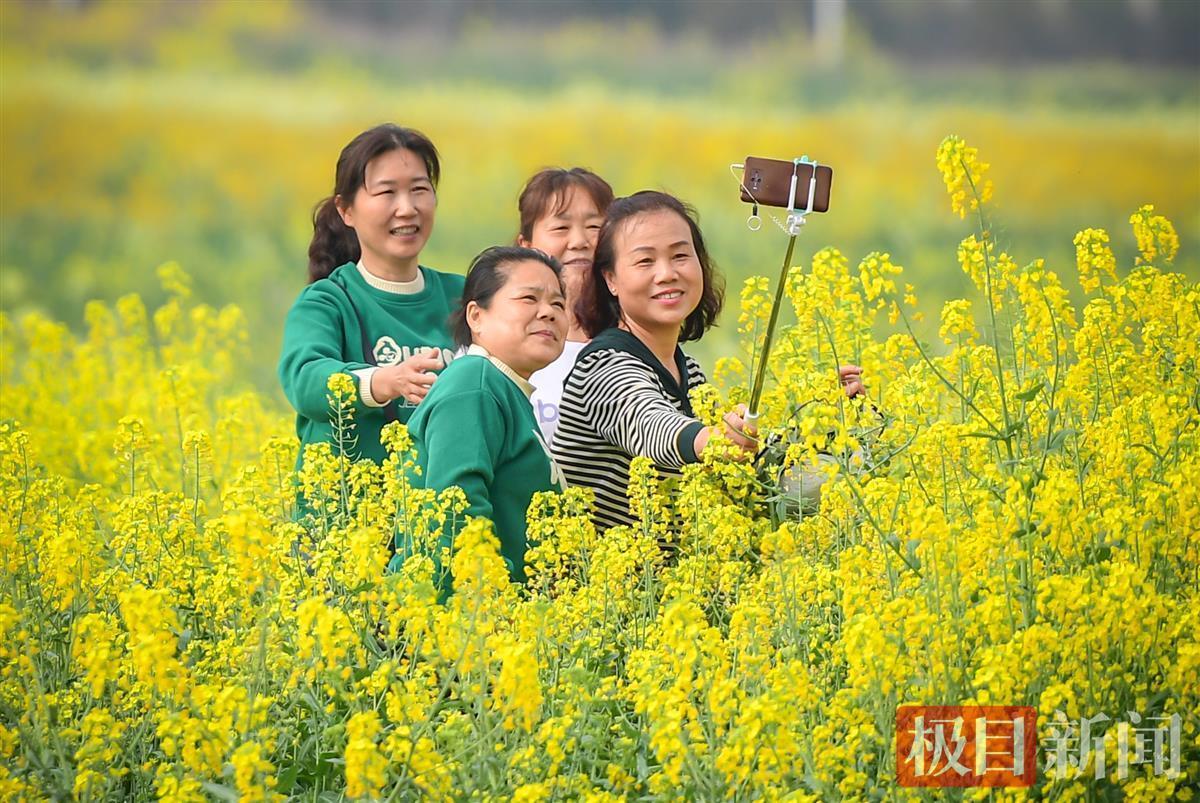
x=656 y=277
x=525 y=323
x=569 y=235
x=392 y=213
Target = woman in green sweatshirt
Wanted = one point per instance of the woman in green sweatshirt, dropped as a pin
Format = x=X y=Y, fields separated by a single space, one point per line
x=371 y=309
x=476 y=428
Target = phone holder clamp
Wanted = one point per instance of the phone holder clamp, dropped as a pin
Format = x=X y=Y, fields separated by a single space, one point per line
x=796 y=217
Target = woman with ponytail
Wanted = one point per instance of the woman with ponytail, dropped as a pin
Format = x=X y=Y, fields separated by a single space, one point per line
x=371 y=310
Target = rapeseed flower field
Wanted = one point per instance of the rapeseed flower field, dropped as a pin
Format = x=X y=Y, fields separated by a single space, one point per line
x=1009 y=517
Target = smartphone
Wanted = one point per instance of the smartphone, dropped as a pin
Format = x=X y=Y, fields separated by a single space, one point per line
x=768 y=182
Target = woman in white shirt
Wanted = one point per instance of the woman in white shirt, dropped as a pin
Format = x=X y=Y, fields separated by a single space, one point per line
x=561 y=212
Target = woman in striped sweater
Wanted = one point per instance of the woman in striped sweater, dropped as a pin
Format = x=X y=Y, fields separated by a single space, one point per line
x=651 y=287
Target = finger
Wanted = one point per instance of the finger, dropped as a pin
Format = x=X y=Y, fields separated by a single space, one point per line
x=847 y=378
x=742 y=442
x=738 y=432
x=735 y=435
x=422 y=380
x=735 y=423
x=417 y=393
x=854 y=388
x=425 y=362
x=849 y=369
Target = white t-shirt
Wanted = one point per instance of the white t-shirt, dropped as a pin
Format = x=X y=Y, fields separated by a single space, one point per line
x=548 y=388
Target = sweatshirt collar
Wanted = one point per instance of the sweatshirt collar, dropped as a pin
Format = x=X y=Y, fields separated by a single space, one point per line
x=518 y=380
x=388 y=286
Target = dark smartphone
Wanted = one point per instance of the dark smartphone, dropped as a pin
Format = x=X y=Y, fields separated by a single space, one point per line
x=768 y=182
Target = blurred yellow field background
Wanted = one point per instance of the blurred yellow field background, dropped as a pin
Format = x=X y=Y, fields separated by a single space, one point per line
x=1010 y=519
x=134 y=135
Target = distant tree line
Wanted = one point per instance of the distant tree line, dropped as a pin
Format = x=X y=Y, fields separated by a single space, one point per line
x=1163 y=32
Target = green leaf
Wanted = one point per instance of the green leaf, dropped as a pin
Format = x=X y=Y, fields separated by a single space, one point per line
x=1029 y=394
x=1013 y=429
x=910 y=549
x=1057 y=440
x=220 y=791
x=1028 y=528
x=185 y=638
x=287 y=778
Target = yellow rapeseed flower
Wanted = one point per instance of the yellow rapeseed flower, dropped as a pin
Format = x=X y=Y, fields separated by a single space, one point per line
x=1156 y=237
x=366 y=766
x=963 y=175
x=1094 y=258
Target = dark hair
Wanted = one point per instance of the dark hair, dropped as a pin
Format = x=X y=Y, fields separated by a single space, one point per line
x=546 y=194
x=333 y=242
x=597 y=309
x=487 y=274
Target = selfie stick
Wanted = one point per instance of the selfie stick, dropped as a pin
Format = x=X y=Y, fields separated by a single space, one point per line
x=795 y=221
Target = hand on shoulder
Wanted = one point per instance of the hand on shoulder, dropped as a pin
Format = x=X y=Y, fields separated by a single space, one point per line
x=409 y=379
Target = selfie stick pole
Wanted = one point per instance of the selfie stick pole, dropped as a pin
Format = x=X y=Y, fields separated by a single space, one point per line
x=760 y=370
x=795 y=222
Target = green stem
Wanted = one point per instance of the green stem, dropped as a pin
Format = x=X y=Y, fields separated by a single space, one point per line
x=987 y=275
x=929 y=361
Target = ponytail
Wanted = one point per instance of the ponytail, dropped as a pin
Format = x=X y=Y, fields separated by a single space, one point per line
x=333 y=242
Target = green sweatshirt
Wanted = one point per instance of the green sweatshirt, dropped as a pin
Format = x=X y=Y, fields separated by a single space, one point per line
x=476 y=430
x=322 y=337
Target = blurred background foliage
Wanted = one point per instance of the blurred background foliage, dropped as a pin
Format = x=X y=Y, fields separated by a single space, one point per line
x=133 y=134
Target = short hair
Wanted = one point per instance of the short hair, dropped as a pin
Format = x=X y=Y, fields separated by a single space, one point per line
x=487 y=274
x=546 y=194
x=597 y=309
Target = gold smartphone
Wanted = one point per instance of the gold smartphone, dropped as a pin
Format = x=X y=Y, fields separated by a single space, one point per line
x=768 y=182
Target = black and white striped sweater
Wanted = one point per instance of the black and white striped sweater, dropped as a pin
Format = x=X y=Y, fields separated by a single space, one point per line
x=618 y=402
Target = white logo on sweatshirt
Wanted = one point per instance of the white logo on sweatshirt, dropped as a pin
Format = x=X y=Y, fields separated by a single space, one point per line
x=388 y=352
